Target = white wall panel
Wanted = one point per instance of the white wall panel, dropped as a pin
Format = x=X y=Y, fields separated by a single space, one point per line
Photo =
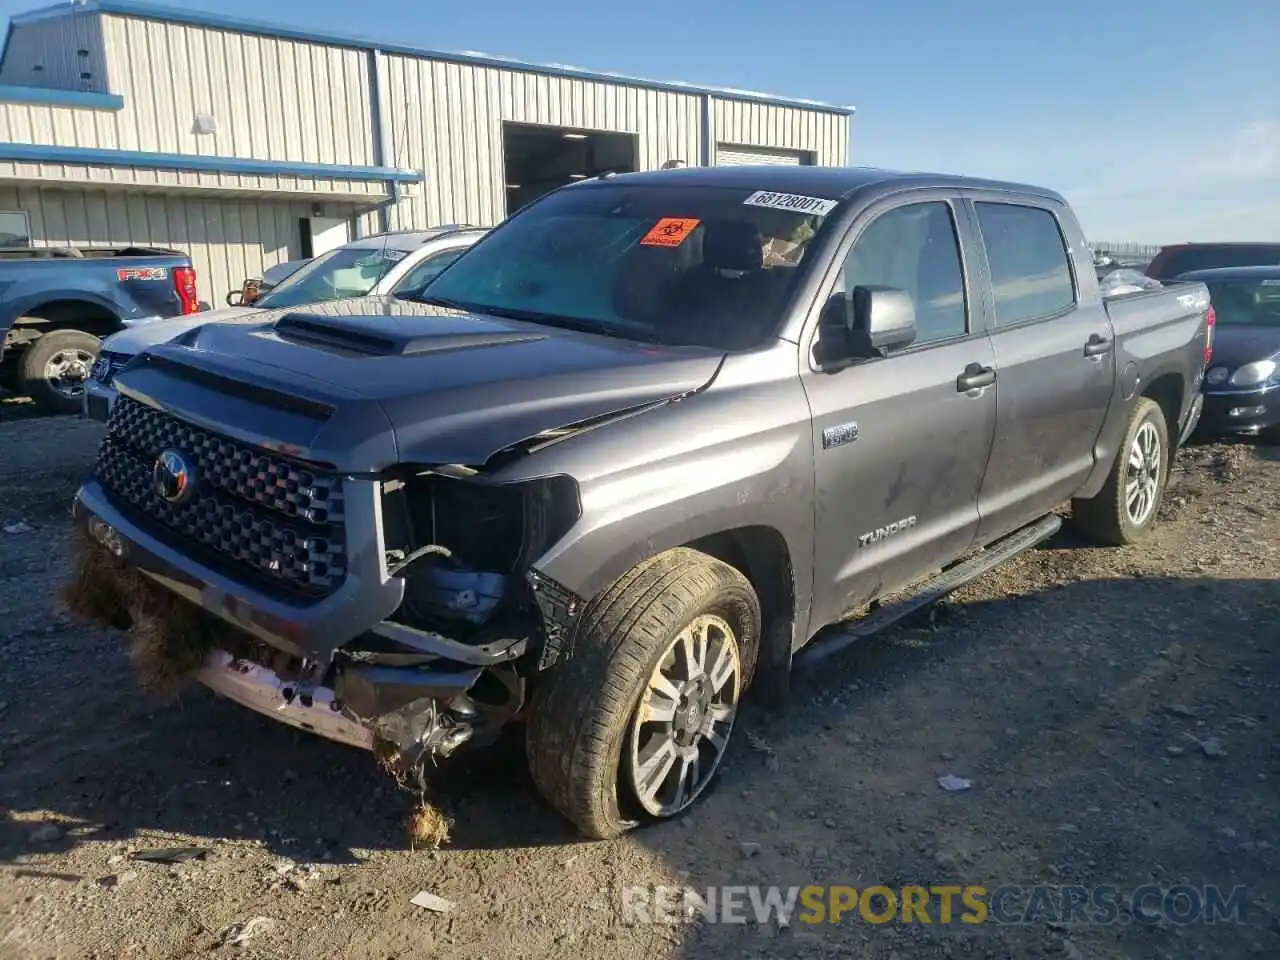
x=273 y=99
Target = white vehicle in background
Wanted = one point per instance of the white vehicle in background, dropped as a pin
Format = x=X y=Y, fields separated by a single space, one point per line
x=385 y=263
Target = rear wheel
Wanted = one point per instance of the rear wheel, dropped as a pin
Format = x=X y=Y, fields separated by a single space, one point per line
x=54 y=368
x=1125 y=509
x=634 y=725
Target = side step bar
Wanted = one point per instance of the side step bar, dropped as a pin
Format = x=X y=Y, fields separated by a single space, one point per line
x=841 y=635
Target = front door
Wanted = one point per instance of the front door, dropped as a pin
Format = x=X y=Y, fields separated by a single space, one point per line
x=1056 y=368
x=900 y=445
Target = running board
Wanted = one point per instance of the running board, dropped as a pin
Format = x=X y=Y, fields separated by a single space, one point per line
x=841 y=635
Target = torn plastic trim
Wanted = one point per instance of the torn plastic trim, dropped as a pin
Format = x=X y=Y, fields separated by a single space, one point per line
x=373 y=693
x=438 y=645
x=560 y=609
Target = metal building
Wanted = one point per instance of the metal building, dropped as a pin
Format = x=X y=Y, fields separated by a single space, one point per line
x=247 y=144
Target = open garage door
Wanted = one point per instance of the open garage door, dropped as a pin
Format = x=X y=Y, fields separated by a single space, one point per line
x=730 y=155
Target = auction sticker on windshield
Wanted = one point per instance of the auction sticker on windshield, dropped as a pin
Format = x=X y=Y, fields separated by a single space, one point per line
x=669 y=232
x=790 y=201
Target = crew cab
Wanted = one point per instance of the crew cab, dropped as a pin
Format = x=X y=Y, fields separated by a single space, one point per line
x=56 y=303
x=383 y=263
x=655 y=441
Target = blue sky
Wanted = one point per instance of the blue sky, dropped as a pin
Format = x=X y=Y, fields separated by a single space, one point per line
x=1159 y=120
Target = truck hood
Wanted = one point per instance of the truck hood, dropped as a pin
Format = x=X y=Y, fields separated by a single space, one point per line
x=363 y=384
x=137 y=337
x=1234 y=346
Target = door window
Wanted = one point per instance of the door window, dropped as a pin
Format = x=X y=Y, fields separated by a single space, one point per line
x=416 y=280
x=1030 y=270
x=914 y=249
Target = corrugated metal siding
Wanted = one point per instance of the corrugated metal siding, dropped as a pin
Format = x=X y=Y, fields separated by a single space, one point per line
x=273 y=99
x=56 y=126
x=228 y=240
x=53 y=44
x=787 y=128
x=447 y=119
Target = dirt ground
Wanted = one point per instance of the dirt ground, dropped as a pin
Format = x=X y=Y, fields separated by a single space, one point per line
x=1115 y=711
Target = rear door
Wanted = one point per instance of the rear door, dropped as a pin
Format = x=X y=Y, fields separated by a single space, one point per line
x=1055 y=361
x=900 y=447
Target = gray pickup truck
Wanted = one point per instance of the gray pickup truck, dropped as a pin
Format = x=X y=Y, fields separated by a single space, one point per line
x=657 y=439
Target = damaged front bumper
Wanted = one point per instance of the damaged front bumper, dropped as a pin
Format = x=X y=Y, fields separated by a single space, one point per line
x=337 y=668
x=262 y=689
x=319 y=709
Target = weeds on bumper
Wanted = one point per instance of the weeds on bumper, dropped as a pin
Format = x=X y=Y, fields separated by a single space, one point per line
x=169 y=639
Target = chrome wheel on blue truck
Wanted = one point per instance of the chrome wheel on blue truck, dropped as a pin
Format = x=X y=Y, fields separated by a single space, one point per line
x=54 y=369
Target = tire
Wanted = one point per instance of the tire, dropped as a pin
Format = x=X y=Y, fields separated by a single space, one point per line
x=583 y=737
x=1107 y=518
x=69 y=349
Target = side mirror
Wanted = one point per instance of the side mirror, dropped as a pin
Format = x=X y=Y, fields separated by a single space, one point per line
x=866 y=324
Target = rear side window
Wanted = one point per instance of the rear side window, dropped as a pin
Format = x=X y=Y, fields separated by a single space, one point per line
x=1030 y=270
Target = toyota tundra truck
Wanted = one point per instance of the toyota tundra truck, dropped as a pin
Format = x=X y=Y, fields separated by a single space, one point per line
x=655 y=442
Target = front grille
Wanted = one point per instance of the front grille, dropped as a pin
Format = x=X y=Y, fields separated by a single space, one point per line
x=258 y=515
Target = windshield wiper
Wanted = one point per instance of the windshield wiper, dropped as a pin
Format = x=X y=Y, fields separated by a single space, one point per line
x=563 y=322
x=441 y=302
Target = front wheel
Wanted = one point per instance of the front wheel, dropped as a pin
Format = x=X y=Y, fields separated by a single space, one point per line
x=1125 y=509
x=54 y=369
x=634 y=725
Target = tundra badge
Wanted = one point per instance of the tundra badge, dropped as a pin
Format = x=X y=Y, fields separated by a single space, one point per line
x=884 y=533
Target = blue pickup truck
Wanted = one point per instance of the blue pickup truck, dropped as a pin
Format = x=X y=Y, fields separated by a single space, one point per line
x=57 y=303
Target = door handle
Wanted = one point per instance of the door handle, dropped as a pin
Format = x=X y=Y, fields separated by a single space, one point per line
x=974 y=377
x=1097 y=346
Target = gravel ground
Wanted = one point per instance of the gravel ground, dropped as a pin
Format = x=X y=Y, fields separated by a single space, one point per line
x=1114 y=710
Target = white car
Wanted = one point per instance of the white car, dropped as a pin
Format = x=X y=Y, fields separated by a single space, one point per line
x=386 y=263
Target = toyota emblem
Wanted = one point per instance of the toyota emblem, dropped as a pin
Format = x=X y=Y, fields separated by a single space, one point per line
x=174 y=477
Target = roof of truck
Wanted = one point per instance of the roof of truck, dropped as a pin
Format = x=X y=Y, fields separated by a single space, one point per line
x=825 y=182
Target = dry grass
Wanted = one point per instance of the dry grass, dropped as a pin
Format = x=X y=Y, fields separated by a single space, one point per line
x=428 y=827
x=169 y=639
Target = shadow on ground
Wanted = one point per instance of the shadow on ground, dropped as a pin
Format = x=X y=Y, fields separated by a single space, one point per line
x=1076 y=712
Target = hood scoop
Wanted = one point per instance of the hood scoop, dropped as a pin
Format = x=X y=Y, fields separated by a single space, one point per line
x=396 y=336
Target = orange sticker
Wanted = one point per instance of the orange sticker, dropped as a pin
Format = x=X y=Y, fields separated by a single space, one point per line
x=669 y=232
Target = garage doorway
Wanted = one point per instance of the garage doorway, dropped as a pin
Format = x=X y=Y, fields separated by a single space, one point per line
x=734 y=155
x=538 y=159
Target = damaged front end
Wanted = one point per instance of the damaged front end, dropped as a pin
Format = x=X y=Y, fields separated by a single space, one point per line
x=449 y=666
x=475 y=613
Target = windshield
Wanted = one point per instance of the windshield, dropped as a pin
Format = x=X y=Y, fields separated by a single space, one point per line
x=344 y=272
x=698 y=265
x=1242 y=303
